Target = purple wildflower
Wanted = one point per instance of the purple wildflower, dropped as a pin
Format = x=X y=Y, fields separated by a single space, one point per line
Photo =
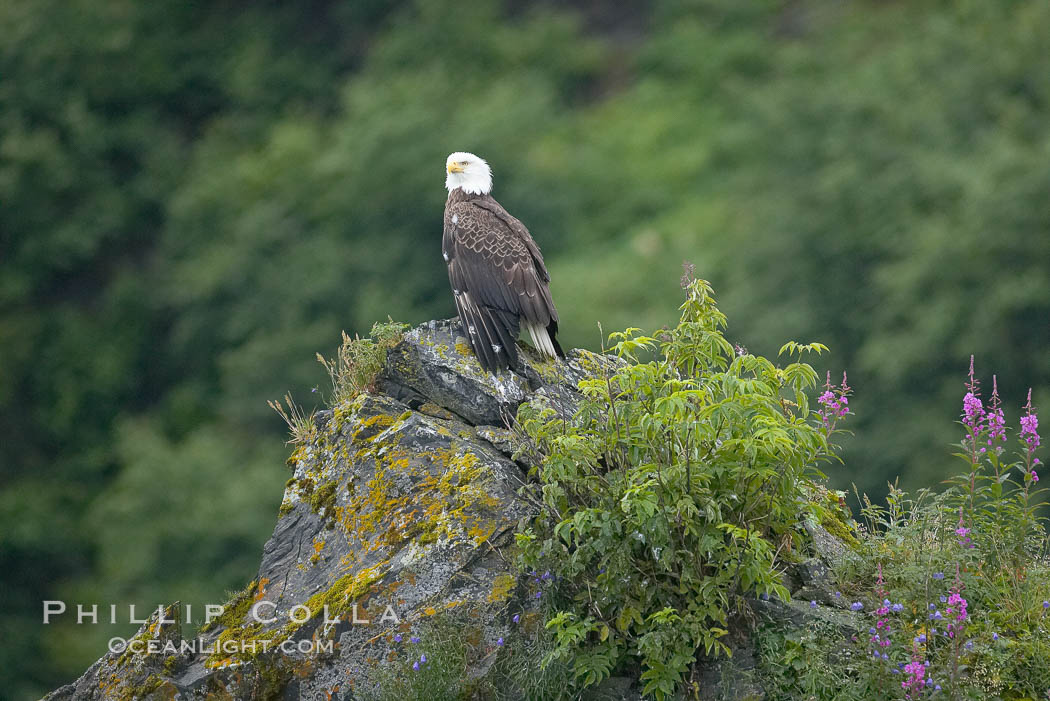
x=938 y=575
x=972 y=410
x=956 y=609
x=397 y=638
x=422 y=659
x=415 y=666
x=413 y=639
x=834 y=402
x=881 y=631
x=994 y=421
x=963 y=532
x=499 y=643
x=517 y=617
x=856 y=606
x=1030 y=430
x=1030 y=435
x=812 y=604
x=916 y=672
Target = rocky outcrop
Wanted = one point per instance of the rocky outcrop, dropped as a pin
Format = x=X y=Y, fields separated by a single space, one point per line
x=401 y=509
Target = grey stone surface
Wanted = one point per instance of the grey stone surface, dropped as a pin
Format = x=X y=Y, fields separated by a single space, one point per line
x=827 y=547
x=434 y=363
x=816 y=582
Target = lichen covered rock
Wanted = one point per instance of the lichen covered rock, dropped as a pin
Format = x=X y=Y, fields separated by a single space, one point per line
x=398 y=509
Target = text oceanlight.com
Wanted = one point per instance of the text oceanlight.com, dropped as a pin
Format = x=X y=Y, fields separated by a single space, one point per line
x=138 y=646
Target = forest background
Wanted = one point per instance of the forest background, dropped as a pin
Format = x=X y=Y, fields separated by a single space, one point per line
x=197 y=197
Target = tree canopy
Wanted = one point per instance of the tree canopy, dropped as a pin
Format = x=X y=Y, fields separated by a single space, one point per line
x=194 y=199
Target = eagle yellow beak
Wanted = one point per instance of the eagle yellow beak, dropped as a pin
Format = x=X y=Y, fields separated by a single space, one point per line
x=455 y=167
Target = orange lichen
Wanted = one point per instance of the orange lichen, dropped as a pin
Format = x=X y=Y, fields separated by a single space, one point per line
x=501 y=588
x=448 y=498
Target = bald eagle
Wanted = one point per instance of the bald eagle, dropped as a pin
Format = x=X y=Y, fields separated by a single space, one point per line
x=498 y=278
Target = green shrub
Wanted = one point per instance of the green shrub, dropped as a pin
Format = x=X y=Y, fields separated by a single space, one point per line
x=672 y=493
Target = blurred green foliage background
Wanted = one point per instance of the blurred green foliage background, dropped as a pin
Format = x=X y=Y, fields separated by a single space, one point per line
x=196 y=197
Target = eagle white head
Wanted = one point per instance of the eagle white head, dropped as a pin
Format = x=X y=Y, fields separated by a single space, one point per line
x=468 y=172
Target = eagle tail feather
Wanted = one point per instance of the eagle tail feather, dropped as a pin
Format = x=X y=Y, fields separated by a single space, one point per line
x=543 y=340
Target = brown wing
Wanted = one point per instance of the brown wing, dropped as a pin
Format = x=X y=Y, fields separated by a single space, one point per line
x=548 y=313
x=495 y=277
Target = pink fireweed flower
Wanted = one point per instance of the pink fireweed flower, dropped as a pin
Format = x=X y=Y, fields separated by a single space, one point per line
x=1030 y=426
x=880 y=634
x=844 y=390
x=916 y=674
x=834 y=402
x=972 y=410
x=1030 y=430
x=994 y=421
x=955 y=600
x=956 y=609
x=963 y=532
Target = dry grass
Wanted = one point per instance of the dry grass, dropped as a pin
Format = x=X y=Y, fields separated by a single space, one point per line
x=300 y=424
x=358 y=361
x=352 y=371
